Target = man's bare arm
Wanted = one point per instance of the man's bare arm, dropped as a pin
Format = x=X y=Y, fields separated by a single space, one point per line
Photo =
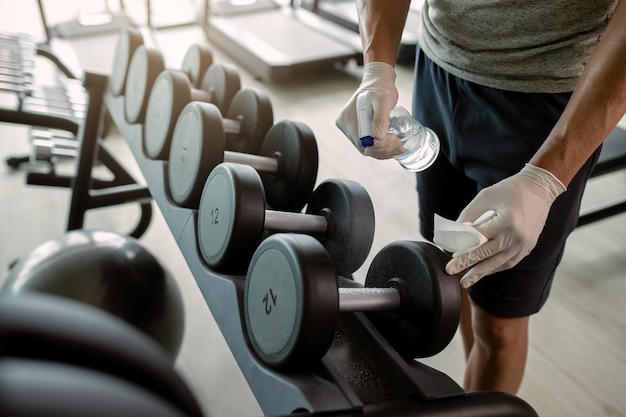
x=381 y=23
x=596 y=106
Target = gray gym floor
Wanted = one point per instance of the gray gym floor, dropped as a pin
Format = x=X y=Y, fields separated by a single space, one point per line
x=577 y=361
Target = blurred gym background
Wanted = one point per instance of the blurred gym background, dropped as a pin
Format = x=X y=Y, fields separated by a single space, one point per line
x=577 y=364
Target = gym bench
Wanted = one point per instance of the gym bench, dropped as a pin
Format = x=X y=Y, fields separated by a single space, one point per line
x=612 y=158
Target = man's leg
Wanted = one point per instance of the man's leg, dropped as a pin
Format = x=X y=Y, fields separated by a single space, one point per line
x=497 y=357
x=465 y=324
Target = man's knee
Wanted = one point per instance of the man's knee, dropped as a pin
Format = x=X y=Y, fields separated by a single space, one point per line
x=498 y=333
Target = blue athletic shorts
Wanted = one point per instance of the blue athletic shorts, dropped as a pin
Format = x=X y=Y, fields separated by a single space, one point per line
x=487 y=135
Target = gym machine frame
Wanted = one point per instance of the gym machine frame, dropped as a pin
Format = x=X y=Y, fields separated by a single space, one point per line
x=360 y=375
x=612 y=158
x=87 y=192
x=321 y=44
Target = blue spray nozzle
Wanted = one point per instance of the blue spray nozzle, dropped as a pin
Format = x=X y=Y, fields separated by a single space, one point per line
x=367 y=141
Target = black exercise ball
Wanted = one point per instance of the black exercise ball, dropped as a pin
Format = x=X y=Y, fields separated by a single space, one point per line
x=111 y=271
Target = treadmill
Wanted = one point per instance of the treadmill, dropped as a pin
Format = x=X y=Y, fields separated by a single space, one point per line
x=277 y=41
x=344 y=13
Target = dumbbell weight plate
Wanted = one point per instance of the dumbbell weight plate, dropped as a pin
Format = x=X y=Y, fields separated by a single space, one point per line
x=197 y=148
x=296 y=148
x=127 y=43
x=36 y=388
x=349 y=209
x=431 y=309
x=230 y=223
x=70 y=332
x=283 y=328
x=223 y=81
x=169 y=95
x=196 y=61
x=253 y=109
x=145 y=67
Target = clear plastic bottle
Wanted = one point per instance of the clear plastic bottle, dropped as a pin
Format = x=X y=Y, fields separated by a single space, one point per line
x=421 y=144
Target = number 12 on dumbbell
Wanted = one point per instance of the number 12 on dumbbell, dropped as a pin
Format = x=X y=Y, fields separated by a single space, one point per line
x=233 y=219
x=270 y=301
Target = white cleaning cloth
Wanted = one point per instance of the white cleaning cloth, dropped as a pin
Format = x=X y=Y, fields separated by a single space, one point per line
x=457 y=237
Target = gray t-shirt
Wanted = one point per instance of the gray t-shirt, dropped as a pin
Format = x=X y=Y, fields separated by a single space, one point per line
x=520 y=45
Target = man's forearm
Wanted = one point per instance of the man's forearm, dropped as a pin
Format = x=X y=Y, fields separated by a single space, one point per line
x=381 y=23
x=595 y=108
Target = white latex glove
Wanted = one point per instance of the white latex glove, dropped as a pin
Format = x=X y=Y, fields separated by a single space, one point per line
x=379 y=79
x=521 y=203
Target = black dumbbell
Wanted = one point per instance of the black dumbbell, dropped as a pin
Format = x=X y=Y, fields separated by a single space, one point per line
x=17 y=62
x=145 y=67
x=292 y=300
x=233 y=220
x=71 y=359
x=127 y=43
x=287 y=158
x=172 y=91
x=49 y=144
x=194 y=63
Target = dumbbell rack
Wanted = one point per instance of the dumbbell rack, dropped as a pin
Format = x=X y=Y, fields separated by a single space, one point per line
x=360 y=374
x=57 y=107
